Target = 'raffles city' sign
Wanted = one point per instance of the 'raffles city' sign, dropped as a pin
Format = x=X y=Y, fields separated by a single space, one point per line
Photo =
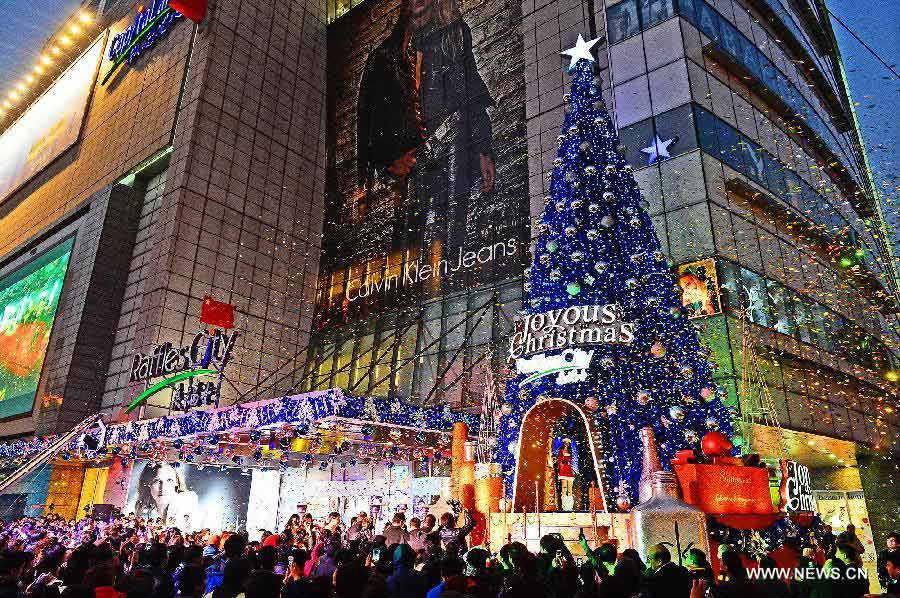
x=207 y=355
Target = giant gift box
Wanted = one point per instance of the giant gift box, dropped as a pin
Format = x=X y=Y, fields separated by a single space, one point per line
x=732 y=489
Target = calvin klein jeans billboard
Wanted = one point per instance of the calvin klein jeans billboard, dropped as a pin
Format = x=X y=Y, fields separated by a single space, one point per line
x=428 y=171
x=189 y=497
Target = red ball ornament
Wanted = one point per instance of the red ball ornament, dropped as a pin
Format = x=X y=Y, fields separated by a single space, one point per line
x=715 y=444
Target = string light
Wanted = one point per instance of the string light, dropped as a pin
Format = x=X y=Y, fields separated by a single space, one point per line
x=75 y=27
x=300 y=411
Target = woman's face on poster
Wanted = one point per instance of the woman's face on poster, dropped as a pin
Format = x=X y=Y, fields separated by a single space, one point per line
x=164 y=485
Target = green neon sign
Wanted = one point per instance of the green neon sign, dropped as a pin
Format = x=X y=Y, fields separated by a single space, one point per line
x=170 y=381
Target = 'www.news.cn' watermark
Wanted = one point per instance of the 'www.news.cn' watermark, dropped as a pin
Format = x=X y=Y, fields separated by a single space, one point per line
x=808 y=573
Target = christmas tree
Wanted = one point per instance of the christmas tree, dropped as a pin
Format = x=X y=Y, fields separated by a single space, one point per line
x=642 y=364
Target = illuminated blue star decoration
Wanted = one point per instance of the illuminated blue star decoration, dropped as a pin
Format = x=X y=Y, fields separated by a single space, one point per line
x=658 y=149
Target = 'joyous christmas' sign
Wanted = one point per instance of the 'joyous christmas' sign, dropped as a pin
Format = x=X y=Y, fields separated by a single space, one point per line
x=796 y=489
x=575 y=326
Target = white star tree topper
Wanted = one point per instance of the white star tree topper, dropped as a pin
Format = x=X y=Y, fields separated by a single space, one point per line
x=581 y=50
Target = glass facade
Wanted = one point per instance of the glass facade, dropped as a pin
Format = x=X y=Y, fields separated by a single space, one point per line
x=623 y=23
x=436 y=353
x=775 y=306
x=719 y=139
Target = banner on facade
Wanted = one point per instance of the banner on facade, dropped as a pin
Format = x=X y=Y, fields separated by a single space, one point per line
x=50 y=126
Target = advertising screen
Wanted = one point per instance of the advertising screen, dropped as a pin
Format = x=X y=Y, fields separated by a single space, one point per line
x=189 y=497
x=28 y=300
x=50 y=125
x=699 y=288
x=427 y=139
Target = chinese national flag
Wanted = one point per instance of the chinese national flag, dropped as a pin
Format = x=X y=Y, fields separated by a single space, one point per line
x=194 y=10
x=217 y=314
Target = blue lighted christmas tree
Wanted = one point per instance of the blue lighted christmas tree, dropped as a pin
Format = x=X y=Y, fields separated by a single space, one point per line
x=596 y=246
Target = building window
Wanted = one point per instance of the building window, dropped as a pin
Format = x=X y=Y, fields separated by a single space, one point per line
x=622 y=21
x=772 y=305
x=654 y=12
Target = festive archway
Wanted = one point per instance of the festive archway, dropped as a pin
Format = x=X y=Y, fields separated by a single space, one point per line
x=534 y=444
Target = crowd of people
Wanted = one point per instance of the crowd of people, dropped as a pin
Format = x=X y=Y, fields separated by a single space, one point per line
x=128 y=557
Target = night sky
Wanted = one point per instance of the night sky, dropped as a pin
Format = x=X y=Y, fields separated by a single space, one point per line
x=24 y=26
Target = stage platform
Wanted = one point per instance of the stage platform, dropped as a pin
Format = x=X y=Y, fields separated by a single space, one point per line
x=528 y=528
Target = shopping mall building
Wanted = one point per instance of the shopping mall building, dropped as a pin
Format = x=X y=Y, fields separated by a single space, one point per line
x=267 y=158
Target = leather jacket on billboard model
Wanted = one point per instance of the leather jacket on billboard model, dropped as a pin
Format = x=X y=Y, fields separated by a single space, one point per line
x=387 y=121
x=392 y=120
